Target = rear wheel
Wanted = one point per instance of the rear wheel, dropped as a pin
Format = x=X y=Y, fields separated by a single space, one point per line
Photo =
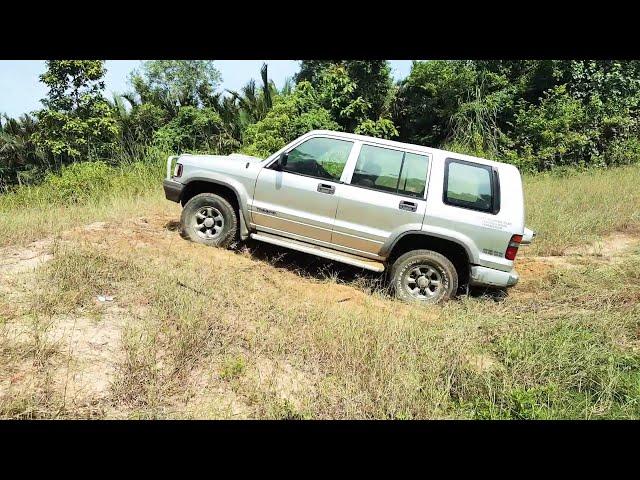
x=210 y=219
x=424 y=276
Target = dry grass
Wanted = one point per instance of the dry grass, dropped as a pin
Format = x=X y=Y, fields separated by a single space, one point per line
x=198 y=332
x=580 y=207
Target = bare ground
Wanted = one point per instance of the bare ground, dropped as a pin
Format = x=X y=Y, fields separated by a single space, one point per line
x=83 y=348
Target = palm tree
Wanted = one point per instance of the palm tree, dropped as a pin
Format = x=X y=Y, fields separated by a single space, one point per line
x=230 y=113
x=256 y=104
x=17 y=149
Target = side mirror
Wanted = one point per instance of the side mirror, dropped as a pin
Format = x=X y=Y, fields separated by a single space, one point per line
x=281 y=162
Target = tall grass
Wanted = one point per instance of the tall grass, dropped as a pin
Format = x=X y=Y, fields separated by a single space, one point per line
x=82 y=193
x=574 y=207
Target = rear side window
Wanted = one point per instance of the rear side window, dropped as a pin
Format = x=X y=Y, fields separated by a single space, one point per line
x=471 y=185
x=392 y=171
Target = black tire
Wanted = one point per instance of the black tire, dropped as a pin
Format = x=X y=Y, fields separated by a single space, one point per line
x=432 y=267
x=222 y=233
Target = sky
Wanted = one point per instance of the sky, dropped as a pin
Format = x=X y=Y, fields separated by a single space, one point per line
x=21 y=90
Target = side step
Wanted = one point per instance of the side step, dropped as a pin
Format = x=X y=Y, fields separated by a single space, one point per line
x=323 y=252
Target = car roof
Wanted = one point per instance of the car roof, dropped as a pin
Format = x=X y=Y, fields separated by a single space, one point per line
x=402 y=145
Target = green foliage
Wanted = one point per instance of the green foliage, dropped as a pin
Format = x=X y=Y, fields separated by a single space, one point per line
x=290 y=117
x=338 y=94
x=556 y=132
x=191 y=130
x=429 y=97
x=174 y=83
x=19 y=155
x=538 y=115
x=381 y=128
x=233 y=368
x=356 y=93
x=78 y=182
x=143 y=121
x=76 y=121
x=255 y=104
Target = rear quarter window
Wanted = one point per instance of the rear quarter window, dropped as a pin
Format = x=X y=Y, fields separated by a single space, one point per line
x=390 y=170
x=471 y=185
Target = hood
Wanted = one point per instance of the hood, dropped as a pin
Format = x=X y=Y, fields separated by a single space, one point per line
x=246 y=158
x=218 y=162
x=189 y=158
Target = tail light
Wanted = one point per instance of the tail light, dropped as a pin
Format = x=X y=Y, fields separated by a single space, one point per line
x=512 y=249
x=177 y=172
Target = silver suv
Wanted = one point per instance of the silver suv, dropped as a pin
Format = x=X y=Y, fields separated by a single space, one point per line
x=436 y=219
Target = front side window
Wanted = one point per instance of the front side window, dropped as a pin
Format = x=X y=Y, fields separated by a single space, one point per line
x=319 y=157
x=468 y=185
x=392 y=171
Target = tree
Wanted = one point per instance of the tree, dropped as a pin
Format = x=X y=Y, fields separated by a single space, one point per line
x=255 y=104
x=193 y=129
x=77 y=121
x=137 y=123
x=373 y=83
x=357 y=92
x=17 y=149
x=291 y=116
x=429 y=97
x=310 y=70
x=171 y=84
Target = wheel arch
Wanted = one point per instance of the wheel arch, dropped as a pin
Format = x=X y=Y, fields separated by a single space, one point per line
x=229 y=192
x=456 y=251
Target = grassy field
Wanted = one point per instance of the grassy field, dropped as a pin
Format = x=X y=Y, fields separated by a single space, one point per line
x=198 y=332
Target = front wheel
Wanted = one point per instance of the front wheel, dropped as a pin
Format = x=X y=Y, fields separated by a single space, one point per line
x=424 y=276
x=210 y=219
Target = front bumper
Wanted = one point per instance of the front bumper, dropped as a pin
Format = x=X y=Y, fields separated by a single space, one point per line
x=172 y=190
x=491 y=277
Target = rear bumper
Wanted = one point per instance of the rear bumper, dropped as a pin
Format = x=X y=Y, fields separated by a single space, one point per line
x=172 y=190
x=491 y=277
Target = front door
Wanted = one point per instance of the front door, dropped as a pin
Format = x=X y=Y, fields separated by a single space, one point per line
x=301 y=199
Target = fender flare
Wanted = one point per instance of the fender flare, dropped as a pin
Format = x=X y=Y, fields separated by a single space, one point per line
x=387 y=249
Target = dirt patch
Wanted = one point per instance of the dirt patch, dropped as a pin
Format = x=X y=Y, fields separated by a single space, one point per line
x=13 y=261
x=211 y=397
x=92 y=347
x=286 y=381
x=85 y=351
x=610 y=246
x=533 y=267
x=89 y=342
x=483 y=362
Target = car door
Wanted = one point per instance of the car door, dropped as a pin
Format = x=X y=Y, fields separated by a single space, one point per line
x=300 y=200
x=385 y=194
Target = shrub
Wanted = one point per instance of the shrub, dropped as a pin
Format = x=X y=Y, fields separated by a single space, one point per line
x=556 y=132
x=192 y=129
x=79 y=182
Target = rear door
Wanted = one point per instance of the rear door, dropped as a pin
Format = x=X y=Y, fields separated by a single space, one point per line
x=301 y=200
x=385 y=194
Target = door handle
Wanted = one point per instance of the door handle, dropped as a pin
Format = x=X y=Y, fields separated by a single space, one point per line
x=409 y=206
x=324 y=188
